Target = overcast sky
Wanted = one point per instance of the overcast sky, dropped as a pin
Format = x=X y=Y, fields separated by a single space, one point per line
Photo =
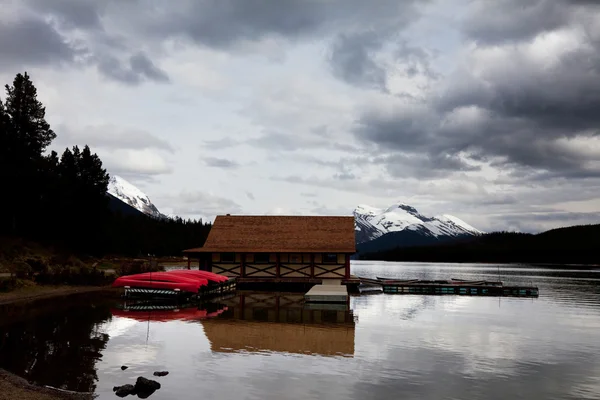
x=487 y=110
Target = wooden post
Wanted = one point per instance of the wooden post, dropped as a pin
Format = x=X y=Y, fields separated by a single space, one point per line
x=347 y=274
x=277 y=263
x=242 y=265
x=242 y=306
x=312 y=265
x=208 y=262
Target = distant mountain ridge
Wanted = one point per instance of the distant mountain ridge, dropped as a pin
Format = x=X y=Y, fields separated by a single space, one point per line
x=129 y=194
x=400 y=225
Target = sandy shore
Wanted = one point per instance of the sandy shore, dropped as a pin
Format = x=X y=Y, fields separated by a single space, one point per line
x=16 y=388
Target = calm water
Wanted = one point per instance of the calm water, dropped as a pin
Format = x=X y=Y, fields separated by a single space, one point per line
x=267 y=346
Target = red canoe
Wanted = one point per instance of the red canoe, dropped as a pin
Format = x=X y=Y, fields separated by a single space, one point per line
x=182 y=279
x=162 y=280
x=211 y=276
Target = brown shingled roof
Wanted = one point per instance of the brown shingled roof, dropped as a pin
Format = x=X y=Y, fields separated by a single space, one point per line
x=274 y=233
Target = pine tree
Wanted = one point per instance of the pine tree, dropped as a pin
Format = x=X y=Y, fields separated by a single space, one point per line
x=5 y=169
x=50 y=197
x=24 y=136
x=83 y=184
x=27 y=117
x=93 y=175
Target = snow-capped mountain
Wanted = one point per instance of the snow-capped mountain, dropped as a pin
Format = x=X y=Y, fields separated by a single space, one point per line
x=131 y=195
x=403 y=223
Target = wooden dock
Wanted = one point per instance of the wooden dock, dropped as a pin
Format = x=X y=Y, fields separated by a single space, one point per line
x=327 y=294
x=451 y=287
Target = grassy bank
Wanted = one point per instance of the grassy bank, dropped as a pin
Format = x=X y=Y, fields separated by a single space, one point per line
x=30 y=269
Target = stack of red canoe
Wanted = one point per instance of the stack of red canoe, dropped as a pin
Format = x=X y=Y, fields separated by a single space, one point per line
x=182 y=279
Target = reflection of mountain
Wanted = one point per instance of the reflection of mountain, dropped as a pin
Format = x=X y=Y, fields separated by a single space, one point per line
x=267 y=322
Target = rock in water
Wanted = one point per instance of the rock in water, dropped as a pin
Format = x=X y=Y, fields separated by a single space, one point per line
x=124 y=367
x=161 y=373
x=124 y=390
x=143 y=383
x=145 y=387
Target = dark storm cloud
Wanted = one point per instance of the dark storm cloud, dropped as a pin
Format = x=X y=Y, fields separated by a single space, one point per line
x=360 y=27
x=424 y=165
x=223 y=23
x=140 y=68
x=72 y=13
x=28 y=42
x=220 y=162
x=509 y=107
x=44 y=40
x=352 y=60
x=500 y=21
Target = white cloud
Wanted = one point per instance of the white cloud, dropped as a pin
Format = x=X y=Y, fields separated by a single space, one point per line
x=135 y=162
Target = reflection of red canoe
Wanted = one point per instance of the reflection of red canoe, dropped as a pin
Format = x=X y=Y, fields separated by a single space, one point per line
x=183 y=314
x=184 y=280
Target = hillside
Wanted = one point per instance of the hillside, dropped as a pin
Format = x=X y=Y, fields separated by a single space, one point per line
x=569 y=245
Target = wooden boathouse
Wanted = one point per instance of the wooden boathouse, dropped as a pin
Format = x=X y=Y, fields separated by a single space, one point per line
x=303 y=249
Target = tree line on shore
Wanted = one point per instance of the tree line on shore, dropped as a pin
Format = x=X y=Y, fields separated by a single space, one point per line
x=62 y=200
x=569 y=245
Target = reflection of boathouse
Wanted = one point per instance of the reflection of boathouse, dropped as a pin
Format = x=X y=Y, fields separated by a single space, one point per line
x=268 y=322
x=278 y=248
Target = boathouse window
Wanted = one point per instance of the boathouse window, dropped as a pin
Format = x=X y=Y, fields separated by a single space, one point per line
x=261 y=258
x=330 y=257
x=228 y=257
x=293 y=258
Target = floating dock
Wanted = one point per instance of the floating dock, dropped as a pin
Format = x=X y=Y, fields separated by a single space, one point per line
x=452 y=287
x=327 y=294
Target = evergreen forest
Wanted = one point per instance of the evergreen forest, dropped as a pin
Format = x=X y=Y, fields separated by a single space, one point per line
x=569 y=245
x=61 y=200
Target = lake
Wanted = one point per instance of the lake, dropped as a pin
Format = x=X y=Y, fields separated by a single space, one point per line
x=270 y=346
